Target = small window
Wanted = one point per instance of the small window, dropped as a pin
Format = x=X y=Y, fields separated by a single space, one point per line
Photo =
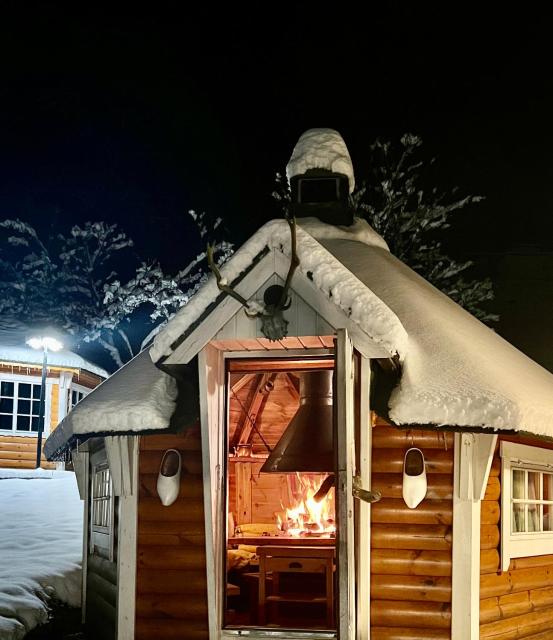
x=75 y=395
x=102 y=512
x=527 y=502
x=20 y=406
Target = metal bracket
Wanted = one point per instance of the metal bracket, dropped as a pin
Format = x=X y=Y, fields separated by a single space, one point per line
x=363 y=494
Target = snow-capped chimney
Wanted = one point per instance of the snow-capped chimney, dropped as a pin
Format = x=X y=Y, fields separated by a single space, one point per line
x=321 y=177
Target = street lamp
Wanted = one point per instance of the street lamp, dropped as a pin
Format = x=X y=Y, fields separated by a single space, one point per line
x=44 y=342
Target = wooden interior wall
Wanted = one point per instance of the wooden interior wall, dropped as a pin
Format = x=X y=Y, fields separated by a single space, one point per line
x=517 y=603
x=171 y=599
x=411 y=548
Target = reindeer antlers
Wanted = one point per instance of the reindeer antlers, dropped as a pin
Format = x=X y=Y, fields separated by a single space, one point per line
x=274 y=325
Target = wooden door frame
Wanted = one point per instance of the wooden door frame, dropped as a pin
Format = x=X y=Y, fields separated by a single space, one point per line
x=213 y=416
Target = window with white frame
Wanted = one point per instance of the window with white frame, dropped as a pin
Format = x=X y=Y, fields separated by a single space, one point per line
x=19 y=405
x=101 y=512
x=527 y=501
x=75 y=395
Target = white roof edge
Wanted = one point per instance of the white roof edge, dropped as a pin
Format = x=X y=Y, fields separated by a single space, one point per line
x=330 y=276
x=137 y=397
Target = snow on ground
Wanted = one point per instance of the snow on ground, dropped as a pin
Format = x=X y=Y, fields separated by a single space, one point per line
x=41 y=520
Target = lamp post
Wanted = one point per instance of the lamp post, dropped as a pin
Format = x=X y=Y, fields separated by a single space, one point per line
x=45 y=343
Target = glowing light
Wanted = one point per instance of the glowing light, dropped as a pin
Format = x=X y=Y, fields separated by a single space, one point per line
x=45 y=342
x=306 y=517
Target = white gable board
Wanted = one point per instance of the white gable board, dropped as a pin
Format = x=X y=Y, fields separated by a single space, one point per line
x=311 y=314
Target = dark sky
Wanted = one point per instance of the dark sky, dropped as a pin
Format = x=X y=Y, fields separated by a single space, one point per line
x=136 y=117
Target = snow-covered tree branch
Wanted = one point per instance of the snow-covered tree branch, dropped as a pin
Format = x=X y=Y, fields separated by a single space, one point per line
x=408 y=218
x=72 y=281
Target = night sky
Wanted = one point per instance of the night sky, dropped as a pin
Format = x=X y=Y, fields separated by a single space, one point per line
x=137 y=117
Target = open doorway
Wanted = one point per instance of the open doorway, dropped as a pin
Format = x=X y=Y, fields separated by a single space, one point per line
x=280 y=553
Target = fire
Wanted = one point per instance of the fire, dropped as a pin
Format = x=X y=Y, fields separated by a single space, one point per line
x=306 y=516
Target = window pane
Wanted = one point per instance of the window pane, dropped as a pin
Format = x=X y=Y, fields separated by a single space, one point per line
x=36 y=391
x=6 y=405
x=5 y=422
x=533 y=485
x=23 y=423
x=533 y=517
x=518 y=483
x=24 y=390
x=6 y=389
x=547 y=517
x=24 y=407
x=34 y=424
x=36 y=407
x=548 y=486
x=518 y=518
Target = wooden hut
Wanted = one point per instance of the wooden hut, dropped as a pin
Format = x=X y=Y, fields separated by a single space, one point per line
x=248 y=549
x=69 y=379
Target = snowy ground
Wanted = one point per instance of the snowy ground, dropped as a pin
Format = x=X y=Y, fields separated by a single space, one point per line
x=40 y=546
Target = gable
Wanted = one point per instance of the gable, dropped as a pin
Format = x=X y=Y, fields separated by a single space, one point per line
x=313 y=316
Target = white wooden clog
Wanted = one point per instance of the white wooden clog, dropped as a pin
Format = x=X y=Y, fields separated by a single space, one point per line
x=168 y=479
x=414 y=478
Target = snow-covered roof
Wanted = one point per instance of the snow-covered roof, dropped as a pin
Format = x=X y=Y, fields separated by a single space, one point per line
x=455 y=370
x=321 y=149
x=13 y=349
x=138 y=397
x=334 y=281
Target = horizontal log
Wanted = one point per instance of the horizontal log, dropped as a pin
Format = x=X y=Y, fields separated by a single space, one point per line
x=390 y=485
x=21 y=444
x=171 y=540
x=189 y=440
x=102 y=567
x=170 y=581
x=410 y=562
x=489 y=512
x=98 y=609
x=102 y=587
x=177 y=558
x=21 y=454
x=191 y=485
x=489 y=536
x=189 y=528
x=150 y=605
x=419 y=588
x=150 y=461
x=513 y=581
x=489 y=561
x=395 y=633
x=522 y=626
x=153 y=629
x=386 y=437
x=493 y=489
x=391 y=461
x=7 y=463
x=411 y=536
x=183 y=510
x=533 y=561
x=392 y=613
x=515 y=604
x=390 y=510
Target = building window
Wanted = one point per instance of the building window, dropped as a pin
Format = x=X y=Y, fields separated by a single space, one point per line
x=527 y=501
x=75 y=395
x=102 y=512
x=19 y=406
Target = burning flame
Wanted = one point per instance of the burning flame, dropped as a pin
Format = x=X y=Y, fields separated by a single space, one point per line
x=307 y=517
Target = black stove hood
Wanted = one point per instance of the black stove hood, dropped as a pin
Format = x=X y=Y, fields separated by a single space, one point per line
x=307 y=443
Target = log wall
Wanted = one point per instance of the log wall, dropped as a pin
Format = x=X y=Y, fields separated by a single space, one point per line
x=19 y=452
x=171 y=599
x=517 y=603
x=411 y=548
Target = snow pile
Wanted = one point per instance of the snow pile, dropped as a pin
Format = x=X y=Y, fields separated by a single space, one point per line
x=41 y=521
x=321 y=149
x=335 y=281
x=138 y=396
x=455 y=370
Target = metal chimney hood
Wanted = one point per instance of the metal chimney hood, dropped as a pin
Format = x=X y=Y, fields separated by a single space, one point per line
x=307 y=443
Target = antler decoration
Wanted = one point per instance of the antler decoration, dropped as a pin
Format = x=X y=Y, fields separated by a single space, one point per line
x=274 y=325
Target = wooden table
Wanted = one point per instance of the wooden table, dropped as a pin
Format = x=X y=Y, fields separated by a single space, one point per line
x=287 y=541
